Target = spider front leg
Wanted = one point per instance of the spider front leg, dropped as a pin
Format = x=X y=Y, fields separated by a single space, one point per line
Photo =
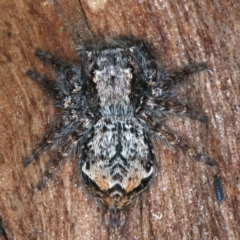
x=57 y=63
x=68 y=83
x=42 y=80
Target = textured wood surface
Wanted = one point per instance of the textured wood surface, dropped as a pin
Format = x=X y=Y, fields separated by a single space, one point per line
x=180 y=203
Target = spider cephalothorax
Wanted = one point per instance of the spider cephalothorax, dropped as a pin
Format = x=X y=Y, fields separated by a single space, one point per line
x=113 y=104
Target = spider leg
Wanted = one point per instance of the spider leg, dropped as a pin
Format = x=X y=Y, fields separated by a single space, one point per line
x=157 y=106
x=51 y=139
x=66 y=89
x=56 y=63
x=42 y=80
x=171 y=79
x=66 y=146
x=69 y=79
x=54 y=163
x=44 y=145
x=176 y=141
x=172 y=138
x=56 y=136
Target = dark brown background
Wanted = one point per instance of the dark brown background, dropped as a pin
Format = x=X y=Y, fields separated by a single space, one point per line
x=180 y=203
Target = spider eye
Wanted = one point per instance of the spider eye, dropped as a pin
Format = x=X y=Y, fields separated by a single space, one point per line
x=93 y=72
x=94 y=68
x=131 y=67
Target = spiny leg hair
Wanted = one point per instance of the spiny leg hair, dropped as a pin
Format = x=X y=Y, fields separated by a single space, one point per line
x=168 y=82
x=114 y=103
x=66 y=91
x=152 y=109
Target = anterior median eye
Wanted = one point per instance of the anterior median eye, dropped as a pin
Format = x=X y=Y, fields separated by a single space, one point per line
x=131 y=68
x=94 y=68
x=93 y=72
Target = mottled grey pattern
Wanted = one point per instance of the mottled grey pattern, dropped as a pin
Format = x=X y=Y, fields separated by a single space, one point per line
x=113 y=104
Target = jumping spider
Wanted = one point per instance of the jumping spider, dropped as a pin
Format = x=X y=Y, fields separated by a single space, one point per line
x=113 y=104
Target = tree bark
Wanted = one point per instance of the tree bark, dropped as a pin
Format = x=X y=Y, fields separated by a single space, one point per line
x=180 y=203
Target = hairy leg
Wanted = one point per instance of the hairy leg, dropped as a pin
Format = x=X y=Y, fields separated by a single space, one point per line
x=55 y=162
x=166 y=82
x=56 y=63
x=158 y=107
x=176 y=141
x=47 y=143
x=69 y=81
x=72 y=122
x=46 y=83
x=170 y=137
x=67 y=146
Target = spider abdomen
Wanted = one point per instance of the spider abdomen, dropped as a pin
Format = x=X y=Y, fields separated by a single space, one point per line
x=117 y=160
